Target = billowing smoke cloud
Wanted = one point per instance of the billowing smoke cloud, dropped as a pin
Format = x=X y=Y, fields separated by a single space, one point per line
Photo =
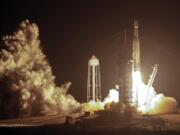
x=161 y=104
x=27 y=85
x=113 y=96
x=92 y=106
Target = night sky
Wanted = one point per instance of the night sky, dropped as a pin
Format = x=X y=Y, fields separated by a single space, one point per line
x=72 y=31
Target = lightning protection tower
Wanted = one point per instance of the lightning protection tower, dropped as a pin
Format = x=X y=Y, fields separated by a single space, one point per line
x=93 y=80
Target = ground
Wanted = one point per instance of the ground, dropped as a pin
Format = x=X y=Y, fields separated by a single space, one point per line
x=99 y=123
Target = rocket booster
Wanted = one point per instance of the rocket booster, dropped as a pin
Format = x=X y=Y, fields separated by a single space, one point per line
x=136 y=48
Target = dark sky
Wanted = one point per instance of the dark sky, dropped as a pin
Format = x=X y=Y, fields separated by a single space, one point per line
x=72 y=31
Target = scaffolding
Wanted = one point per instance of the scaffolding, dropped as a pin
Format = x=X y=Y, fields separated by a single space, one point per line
x=126 y=95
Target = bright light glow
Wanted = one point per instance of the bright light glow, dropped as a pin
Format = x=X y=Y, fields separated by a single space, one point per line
x=113 y=96
x=140 y=91
x=91 y=106
x=148 y=101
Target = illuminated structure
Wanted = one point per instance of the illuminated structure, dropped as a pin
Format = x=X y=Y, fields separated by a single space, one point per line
x=150 y=83
x=136 y=73
x=136 y=48
x=126 y=84
x=93 y=80
x=129 y=80
x=131 y=76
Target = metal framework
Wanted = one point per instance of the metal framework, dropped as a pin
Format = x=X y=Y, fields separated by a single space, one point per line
x=93 y=80
x=150 y=83
x=126 y=95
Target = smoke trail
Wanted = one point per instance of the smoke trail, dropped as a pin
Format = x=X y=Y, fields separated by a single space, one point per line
x=27 y=85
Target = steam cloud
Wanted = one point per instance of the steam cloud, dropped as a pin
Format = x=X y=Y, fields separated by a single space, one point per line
x=161 y=104
x=27 y=85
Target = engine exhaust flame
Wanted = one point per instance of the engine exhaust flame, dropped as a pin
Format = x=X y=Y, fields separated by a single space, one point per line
x=157 y=103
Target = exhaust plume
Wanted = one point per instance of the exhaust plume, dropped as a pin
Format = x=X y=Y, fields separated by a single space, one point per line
x=27 y=85
x=93 y=106
x=157 y=103
x=161 y=105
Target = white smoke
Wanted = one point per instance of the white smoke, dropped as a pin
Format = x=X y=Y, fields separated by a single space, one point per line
x=161 y=104
x=113 y=96
x=92 y=106
x=27 y=85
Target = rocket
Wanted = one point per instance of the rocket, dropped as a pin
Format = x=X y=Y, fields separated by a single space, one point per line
x=136 y=48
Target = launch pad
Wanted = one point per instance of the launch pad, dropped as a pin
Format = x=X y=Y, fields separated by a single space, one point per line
x=105 y=122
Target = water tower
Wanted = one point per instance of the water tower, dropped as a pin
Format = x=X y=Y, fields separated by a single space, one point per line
x=93 y=80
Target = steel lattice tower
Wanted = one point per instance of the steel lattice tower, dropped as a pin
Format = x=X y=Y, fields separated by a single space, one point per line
x=93 y=80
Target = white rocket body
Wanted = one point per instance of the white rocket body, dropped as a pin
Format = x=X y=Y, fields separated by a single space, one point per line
x=136 y=48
